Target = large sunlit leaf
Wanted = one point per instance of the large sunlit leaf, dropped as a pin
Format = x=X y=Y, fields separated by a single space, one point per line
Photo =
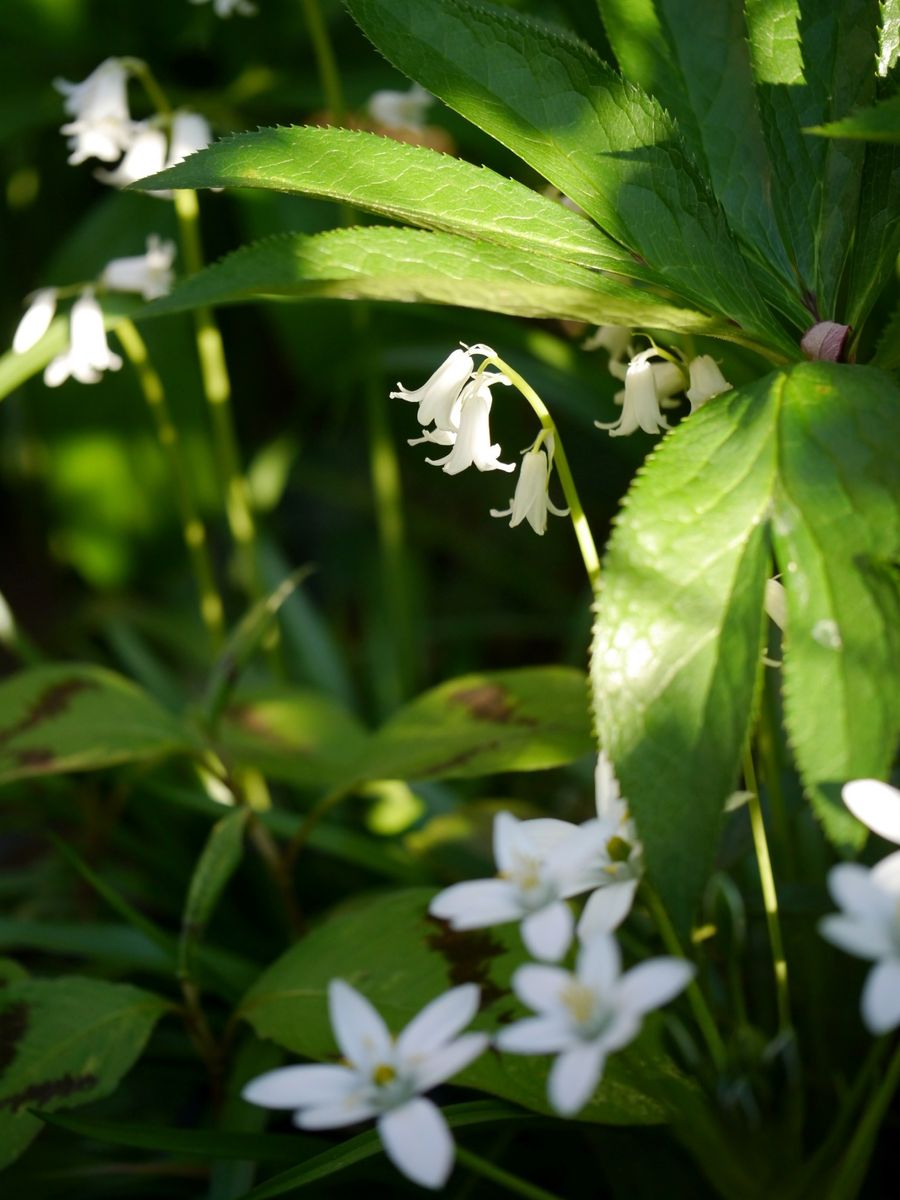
x=400 y=958
x=410 y=184
x=813 y=64
x=602 y=142
x=80 y=718
x=65 y=1042
x=439 y=268
x=800 y=460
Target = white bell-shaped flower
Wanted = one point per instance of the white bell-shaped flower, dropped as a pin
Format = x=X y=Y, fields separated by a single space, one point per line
x=150 y=274
x=146 y=154
x=227 y=8
x=706 y=381
x=383 y=1077
x=541 y=863
x=473 y=446
x=641 y=402
x=582 y=1017
x=102 y=127
x=438 y=397
x=531 y=501
x=869 y=927
x=88 y=354
x=405 y=111
x=36 y=320
x=190 y=132
x=616 y=341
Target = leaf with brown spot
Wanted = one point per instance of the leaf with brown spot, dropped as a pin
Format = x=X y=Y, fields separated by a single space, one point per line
x=65 y=1042
x=80 y=718
x=469 y=955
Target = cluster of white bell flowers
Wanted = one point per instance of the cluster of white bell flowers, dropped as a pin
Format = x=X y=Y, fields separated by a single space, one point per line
x=581 y=1016
x=102 y=127
x=453 y=408
x=869 y=924
x=652 y=381
x=88 y=355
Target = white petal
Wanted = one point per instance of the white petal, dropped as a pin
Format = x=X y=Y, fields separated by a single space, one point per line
x=58 y=370
x=876 y=804
x=476 y=903
x=417 y=1141
x=506 y=840
x=606 y=908
x=544 y=834
x=540 y=987
x=190 y=132
x=886 y=877
x=654 y=983
x=349 y=1111
x=574 y=1077
x=599 y=963
x=359 y=1030
x=547 y=933
x=853 y=887
x=607 y=793
x=450 y=1060
x=439 y=1021
x=534 y=1035
x=36 y=321
x=881 y=997
x=296 y=1087
x=865 y=937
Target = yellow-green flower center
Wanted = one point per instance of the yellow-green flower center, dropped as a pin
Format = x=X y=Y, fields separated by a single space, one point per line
x=384 y=1074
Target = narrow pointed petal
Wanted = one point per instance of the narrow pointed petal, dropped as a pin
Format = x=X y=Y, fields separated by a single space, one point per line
x=505 y=840
x=547 y=933
x=359 y=1030
x=476 y=903
x=534 y=1035
x=417 y=1141
x=540 y=987
x=853 y=888
x=881 y=997
x=600 y=963
x=36 y=321
x=297 y=1087
x=861 y=936
x=349 y=1111
x=574 y=1077
x=654 y=983
x=876 y=804
x=449 y=1060
x=886 y=877
x=544 y=834
x=439 y=1021
x=606 y=908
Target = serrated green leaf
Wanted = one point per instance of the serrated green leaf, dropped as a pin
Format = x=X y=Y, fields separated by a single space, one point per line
x=813 y=63
x=888 y=36
x=407 y=183
x=294 y=734
x=836 y=534
x=521 y=720
x=802 y=457
x=219 y=859
x=369 y=1144
x=80 y=718
x=400 y=958
x=704 y=81
x=602 y=142
x=439 y=268
x=878 y=123
x=66 y=1042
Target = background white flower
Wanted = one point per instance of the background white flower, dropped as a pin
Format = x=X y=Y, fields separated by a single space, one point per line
x=36 y=320
x=401 y=110
x=876 y=804
x=641 y=402
x=384 y=1078
x=150 y=273
x=541 y=863
x=88 y=354
x=585 y=1016
x=102 y=127
x=706 y=381
x=869 y=927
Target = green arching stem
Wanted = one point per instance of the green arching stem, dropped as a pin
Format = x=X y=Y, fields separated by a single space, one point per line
x=141 y=71
x=770 y=895
x=326 y=63
x=702 y=1014
x=576 y=511
x=192 y=528
x=845 y=1184
x=512 y=1183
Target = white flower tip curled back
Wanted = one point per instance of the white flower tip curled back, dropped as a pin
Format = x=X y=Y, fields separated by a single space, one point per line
x=641 y=401
x=36 y=320
x=532 y=501
x=876 y=804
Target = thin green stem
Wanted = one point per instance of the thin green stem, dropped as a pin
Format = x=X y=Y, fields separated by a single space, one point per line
x=768 y=746
x=576 y=511
x=850 y=1173
x=297 y=843
x=326 y=63
x=702 y=1014
x=505 y=1179
x=769 y=893
x=141 y=71
x=192 y=528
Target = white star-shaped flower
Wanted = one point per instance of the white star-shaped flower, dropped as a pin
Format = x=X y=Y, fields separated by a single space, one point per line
x=585 y=1016
x=876 y=804
x=384 y=1078
x=541 y=863
x=621 y=857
